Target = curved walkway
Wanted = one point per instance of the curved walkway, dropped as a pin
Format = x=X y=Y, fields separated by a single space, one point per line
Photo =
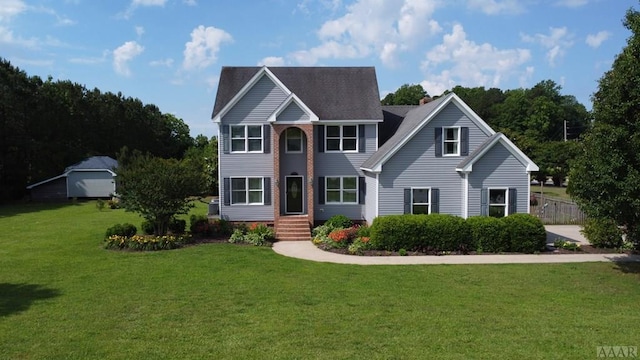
x=307 y=251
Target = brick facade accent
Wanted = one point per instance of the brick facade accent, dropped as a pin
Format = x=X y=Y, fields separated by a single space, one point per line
x=278 y=131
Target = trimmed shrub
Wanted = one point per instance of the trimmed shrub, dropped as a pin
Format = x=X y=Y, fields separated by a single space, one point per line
x=177 y=226
x=125 y=229
x=146 y=243
x=445 y=233
x=364 y=231
x=603 y=233
x=525 y=232
x=198 y=224
x=488 y=234
x=394 y=232
x=339 y=222
x=147 y=227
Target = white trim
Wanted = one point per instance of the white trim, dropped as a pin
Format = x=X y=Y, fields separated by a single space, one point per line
x=293 y=98
x=66 y=174
x=506 y=200
x=342 y=189
x=245 y=89
x=514 y=150
x=465 y=195
x=451 y=97
x=341 y=138
x=221 y=199
x=528 y=192
x=246 y=139
x=377 y=196
x=457 y=141
x=348 y=121
x=377 y=134
x=246 y=190
x=430 y=199
x=302 y=194
x=286 y=141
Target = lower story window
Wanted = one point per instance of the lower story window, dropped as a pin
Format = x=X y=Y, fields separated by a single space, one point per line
x=498 y=202
x=247 y=190
x=420 y=201
x=341 y=190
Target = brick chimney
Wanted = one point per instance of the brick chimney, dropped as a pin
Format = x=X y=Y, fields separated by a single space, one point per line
x=425 y=100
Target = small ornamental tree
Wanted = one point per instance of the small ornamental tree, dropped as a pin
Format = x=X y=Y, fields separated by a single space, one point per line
x=158 y=188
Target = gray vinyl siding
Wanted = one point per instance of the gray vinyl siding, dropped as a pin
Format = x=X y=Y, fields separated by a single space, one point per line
x=342 y=164
x=498 y=168
x=415 y=165
x=291 y=164
x=293 y=113
x=91 y=184
x=371 y=197
x=254 y=108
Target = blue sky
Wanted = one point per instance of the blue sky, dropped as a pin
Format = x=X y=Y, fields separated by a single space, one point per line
x=169 y=52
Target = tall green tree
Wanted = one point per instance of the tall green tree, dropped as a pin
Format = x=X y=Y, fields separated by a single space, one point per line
x=605 y=179
x=206 y=151
x=156 y=188
x=405 y=95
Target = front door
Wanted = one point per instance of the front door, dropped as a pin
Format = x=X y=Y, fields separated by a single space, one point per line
x=295 y=194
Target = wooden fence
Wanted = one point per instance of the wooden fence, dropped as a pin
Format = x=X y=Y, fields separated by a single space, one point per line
x=555 y=211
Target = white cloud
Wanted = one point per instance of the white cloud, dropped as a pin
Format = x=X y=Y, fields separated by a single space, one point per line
x=467 y=63
x=7 y=37
x=495 y=7
x=202 y=50
x=271 y=61
x=595 y=40
x=141 y=3
x=164 y=62
x=139 y=31
x=571 y=3
x=373 y=27
x=190 y=2
x=557 y=42
x=123 y=55
x=11 y=8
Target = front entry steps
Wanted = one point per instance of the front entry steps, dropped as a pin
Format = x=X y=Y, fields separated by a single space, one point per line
x=293 y=228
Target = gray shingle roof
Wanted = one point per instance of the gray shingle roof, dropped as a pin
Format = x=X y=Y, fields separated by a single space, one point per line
x=93 y=163
x=413 y=119
x=332 y=93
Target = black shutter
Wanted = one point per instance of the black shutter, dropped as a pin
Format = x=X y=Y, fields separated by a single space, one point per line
x=362 y=189
x=513 y=201
x=226 y=190
x=438 y=141
x=407 y=201
x=267 y=190
x=435 y=201
x=266 y=138
x=361 y=139
x=464 y=141
x=321 y=190
x=484 y=202
x=225 y=137
x=320 y=130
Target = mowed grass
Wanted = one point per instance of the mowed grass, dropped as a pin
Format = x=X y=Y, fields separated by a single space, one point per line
x=552 y=191
x=62 y=296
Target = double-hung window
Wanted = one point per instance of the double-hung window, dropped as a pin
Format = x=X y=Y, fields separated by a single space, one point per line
x=293 y=140
x=451 y=141
x=341 y=138
x=420 y=201
x=246 y=138
x=247 y=190
x=498 y=202
x=341 y=190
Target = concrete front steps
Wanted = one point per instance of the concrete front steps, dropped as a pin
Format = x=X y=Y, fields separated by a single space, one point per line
x=293 y=228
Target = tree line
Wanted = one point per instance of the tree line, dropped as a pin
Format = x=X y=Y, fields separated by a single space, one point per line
x=538 y=119
x=47 y=125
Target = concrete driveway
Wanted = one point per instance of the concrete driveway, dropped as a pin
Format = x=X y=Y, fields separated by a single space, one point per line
x=568 y=232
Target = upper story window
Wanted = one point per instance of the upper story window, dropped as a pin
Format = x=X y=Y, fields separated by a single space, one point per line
x=293 y=140
x=498 y=203
x=451 y=141
x=341 y=138
x=246 y=138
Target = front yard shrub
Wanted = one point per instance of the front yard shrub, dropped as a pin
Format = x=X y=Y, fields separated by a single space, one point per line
x=488 y=234
x=603 y=233
x=125 y=229
x=525 y=232
x=364 y=230
x=342 y=238
x=147 y=227
x=433 y=232
x=177 y=226
x=339 y=222
x=146 y=243
x=444 y=232
x=359 y=245
x=200 y=225
x=256 y=234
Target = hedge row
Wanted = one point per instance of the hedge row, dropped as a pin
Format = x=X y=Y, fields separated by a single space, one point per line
x=441 y=232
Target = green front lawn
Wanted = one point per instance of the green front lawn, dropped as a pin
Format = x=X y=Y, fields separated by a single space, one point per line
x=62 y=296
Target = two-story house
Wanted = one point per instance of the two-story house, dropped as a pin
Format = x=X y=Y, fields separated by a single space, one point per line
x=301 y=144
